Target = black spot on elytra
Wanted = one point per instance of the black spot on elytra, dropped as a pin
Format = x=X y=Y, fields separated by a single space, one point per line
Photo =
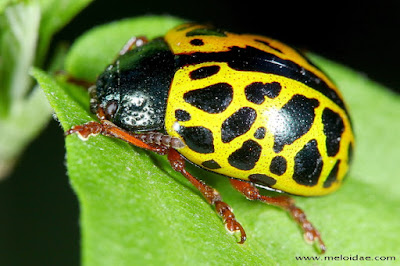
x=212 y=99
x=256 y=91
x=204 y=72
x=332 y=177
x=278 y=165
x=199 y=139
x=182 y=115
x=211 y=164
x=208 y=31
x=297 y=116
x=238 y=123
x=267 y=44
x=333 y=130
x=262 y=179
x=246 y=157
x=308 y=164
x=184 y=26
x=350 y=153
x=260 y=133
x=197 y=42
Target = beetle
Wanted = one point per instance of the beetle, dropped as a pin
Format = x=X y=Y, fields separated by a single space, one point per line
x=244 y=106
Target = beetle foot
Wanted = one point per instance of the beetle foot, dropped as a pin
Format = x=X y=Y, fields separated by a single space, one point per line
x=211 y=195
x=231 y=224
x=86 y=130
x=311 y=234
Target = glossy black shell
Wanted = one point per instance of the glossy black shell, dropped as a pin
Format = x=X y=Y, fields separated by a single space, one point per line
x=137 y=85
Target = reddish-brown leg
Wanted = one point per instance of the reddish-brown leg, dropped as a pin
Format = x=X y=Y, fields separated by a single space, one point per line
x=252 y=193
x=177 y=162
x=73 y=80
x=107 y=128
x=211 y=195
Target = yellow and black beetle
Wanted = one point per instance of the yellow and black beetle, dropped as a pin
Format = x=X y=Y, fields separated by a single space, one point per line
x=245 y=106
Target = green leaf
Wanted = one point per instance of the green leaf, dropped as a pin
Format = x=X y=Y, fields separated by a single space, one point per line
x=22 y=115
x=5 y=3
x=136 y=210
x=18 y=36
x=55 y=15
x=26 y=28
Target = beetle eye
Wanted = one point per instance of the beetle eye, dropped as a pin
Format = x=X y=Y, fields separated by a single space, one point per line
x=111 y=109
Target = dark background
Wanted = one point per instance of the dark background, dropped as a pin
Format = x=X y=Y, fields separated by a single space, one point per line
x=39 y=222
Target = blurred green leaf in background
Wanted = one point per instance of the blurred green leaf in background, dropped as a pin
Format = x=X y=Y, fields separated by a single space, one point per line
x=26 y=29
x=136 y=211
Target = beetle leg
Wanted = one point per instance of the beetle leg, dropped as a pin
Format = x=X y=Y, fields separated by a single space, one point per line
x=177 y=162
x=132 y=43
x=107 y=128
x=73 y=80
x=212 y=196
x=252 y=193
x=160 y=139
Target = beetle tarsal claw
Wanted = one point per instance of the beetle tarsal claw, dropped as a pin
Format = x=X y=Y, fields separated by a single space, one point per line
x=312 y=239
x=234 y=227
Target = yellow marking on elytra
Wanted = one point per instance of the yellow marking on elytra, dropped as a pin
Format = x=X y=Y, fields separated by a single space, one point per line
x=239 y=80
